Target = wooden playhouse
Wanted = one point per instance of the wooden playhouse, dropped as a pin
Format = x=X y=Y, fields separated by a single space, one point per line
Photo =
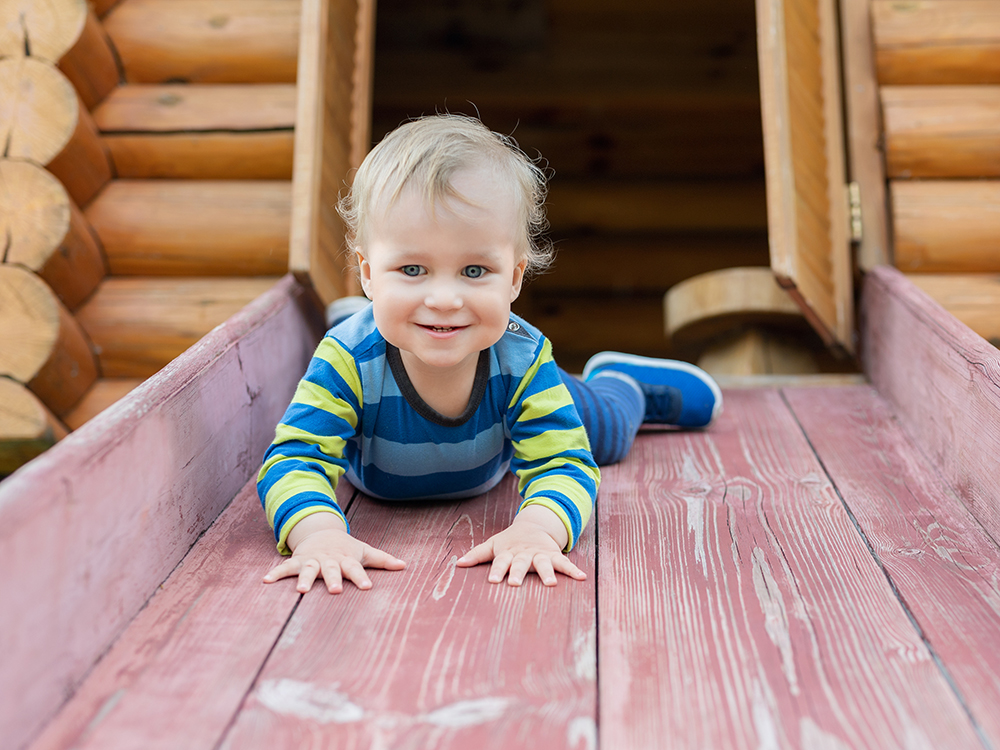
x=818 y=569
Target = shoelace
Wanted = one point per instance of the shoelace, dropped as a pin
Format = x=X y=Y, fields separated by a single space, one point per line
x=663 y=403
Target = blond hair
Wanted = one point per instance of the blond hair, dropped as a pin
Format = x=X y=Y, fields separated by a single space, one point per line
x=426 y=153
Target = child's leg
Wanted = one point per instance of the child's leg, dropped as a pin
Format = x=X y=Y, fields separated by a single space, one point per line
x=612 y=410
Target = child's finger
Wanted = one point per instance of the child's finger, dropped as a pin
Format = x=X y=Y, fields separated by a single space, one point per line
x=332 y=577
x=501 y=563
x=354 y=571
x=307 y=574
x=564 y=566
x=281 y=570
x=519 y=569
x=476 y=556
x=543 y=566
x=376 y=558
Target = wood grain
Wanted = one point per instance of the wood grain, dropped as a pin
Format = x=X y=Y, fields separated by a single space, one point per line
x=51 y=28
x=942 y=562
x=741 y=608
x=434 y=655
x=140 y=482
x=102 y=394
x=203 y=156
x=972 y=298
x=942 y=382
x=91 y=65
x=27 y=427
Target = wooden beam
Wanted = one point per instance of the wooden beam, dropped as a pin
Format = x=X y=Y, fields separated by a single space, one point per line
x=226 y=41
x=194 y=227
x=27 y=427
x=91 y=64
x=46 y=233
x=43 y=30
x=946 y=225
x=758 y=351
x=942 y=131
x=102 y=394
x=972 y=298
x=949 y=42
x=159 y=467
x=943 y=382
x=138 y=325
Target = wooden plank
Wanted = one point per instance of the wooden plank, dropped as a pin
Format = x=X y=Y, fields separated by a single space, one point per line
x=138 y=325
x=194 y=227
x=804 y=161
x=102 y=394
x=194 y=650
x=225 y=41
x=942 y=131
x=949 y=42
x=327 y=134
x=946 y=225
x=865 y=147
x=158 y=467
x=203 y=156
x=144 y=108
x=972 y=298
x=942 y=562
x=656 y=205
x=27 y=427
x=741 y=608
x=438 y=656
x=954 y=402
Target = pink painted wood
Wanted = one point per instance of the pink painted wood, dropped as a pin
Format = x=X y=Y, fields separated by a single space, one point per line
x=433 y=656
x=91 y=528
x=739 y=607
x=943 y=383
x=943 y=563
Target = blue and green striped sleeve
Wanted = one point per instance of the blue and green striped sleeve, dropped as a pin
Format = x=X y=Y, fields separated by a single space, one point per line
x=305 y=462
x=552 y=458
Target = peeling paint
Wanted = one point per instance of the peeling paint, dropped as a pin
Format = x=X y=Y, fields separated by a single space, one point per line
x=304 y=700
x=444 y=581
x=815 y=738
x=581 y=732
x=467 y=713
x=772 y=604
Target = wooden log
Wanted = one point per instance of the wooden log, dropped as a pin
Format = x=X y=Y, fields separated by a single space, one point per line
x=951 y=411
x=102 y=394
x=942 y=131
x=657 y=206
x=42 y=120
x=27 y=427
x=90 y=65
x=972 y=298
x=949 y=42
x=946 y=225
x=226 y=41
x=709 y=304
x=46 y=233
x=194 y=227
x=139 y=325
x=46 y=30
x=937 y=556
x=158 y=467
x=757 y=351
x=41 y=344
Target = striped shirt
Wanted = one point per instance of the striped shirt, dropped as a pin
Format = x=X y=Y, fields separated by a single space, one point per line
x=355 y=413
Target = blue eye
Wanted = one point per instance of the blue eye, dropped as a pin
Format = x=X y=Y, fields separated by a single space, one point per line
x=413 y=270
x=474 y=272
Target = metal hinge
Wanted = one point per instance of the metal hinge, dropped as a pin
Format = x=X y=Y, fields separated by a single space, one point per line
x=854 y=202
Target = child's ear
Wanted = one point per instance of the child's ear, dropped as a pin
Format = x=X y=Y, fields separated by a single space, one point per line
x=518 y=279
x=365 y=274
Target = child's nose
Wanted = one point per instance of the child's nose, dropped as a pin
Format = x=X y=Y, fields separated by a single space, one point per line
x=444 y=296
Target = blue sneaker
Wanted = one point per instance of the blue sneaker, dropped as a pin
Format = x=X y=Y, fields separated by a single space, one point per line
x=676 y=393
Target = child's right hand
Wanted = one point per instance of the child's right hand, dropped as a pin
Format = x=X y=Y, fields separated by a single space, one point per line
x=320 y=544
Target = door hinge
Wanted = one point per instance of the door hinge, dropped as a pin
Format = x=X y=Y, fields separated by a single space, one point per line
x=854 y=202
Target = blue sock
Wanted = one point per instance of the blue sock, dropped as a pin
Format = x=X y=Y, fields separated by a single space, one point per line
x=612 y=411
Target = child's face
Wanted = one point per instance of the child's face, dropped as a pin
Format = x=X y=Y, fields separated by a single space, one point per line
x=442 y=280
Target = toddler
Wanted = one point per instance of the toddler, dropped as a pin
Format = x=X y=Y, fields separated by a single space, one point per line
x=435 y=389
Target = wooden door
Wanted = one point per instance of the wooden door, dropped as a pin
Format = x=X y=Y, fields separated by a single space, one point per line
x=804 y=159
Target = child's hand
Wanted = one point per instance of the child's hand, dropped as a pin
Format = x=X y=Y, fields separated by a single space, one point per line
x=321 y=545
x=534 y=540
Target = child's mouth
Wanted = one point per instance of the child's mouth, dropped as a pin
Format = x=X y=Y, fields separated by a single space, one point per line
x=442 y=329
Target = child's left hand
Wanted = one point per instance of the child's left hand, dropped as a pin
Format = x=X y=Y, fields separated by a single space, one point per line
x=531 y=542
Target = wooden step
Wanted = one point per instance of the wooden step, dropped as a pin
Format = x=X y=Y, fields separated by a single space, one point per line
x=972 y=298
x=138 y=325
x=946 y=225
x=200 y=131
x=102 y=394
x=936 y=41
x=194 y=227
x=942 y=131
x=223 y=41
x=27 y=427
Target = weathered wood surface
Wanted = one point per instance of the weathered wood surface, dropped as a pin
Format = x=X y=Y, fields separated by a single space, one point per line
x=946 y=225
x=936 y=555
x=194 y=227
x=739 y=606
x=972 y=298
x=936 y=41
x=434 y=655
x=225 y=41
x=942 y=382
x=137 y=484
x=138 y=325
x=942 y=131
